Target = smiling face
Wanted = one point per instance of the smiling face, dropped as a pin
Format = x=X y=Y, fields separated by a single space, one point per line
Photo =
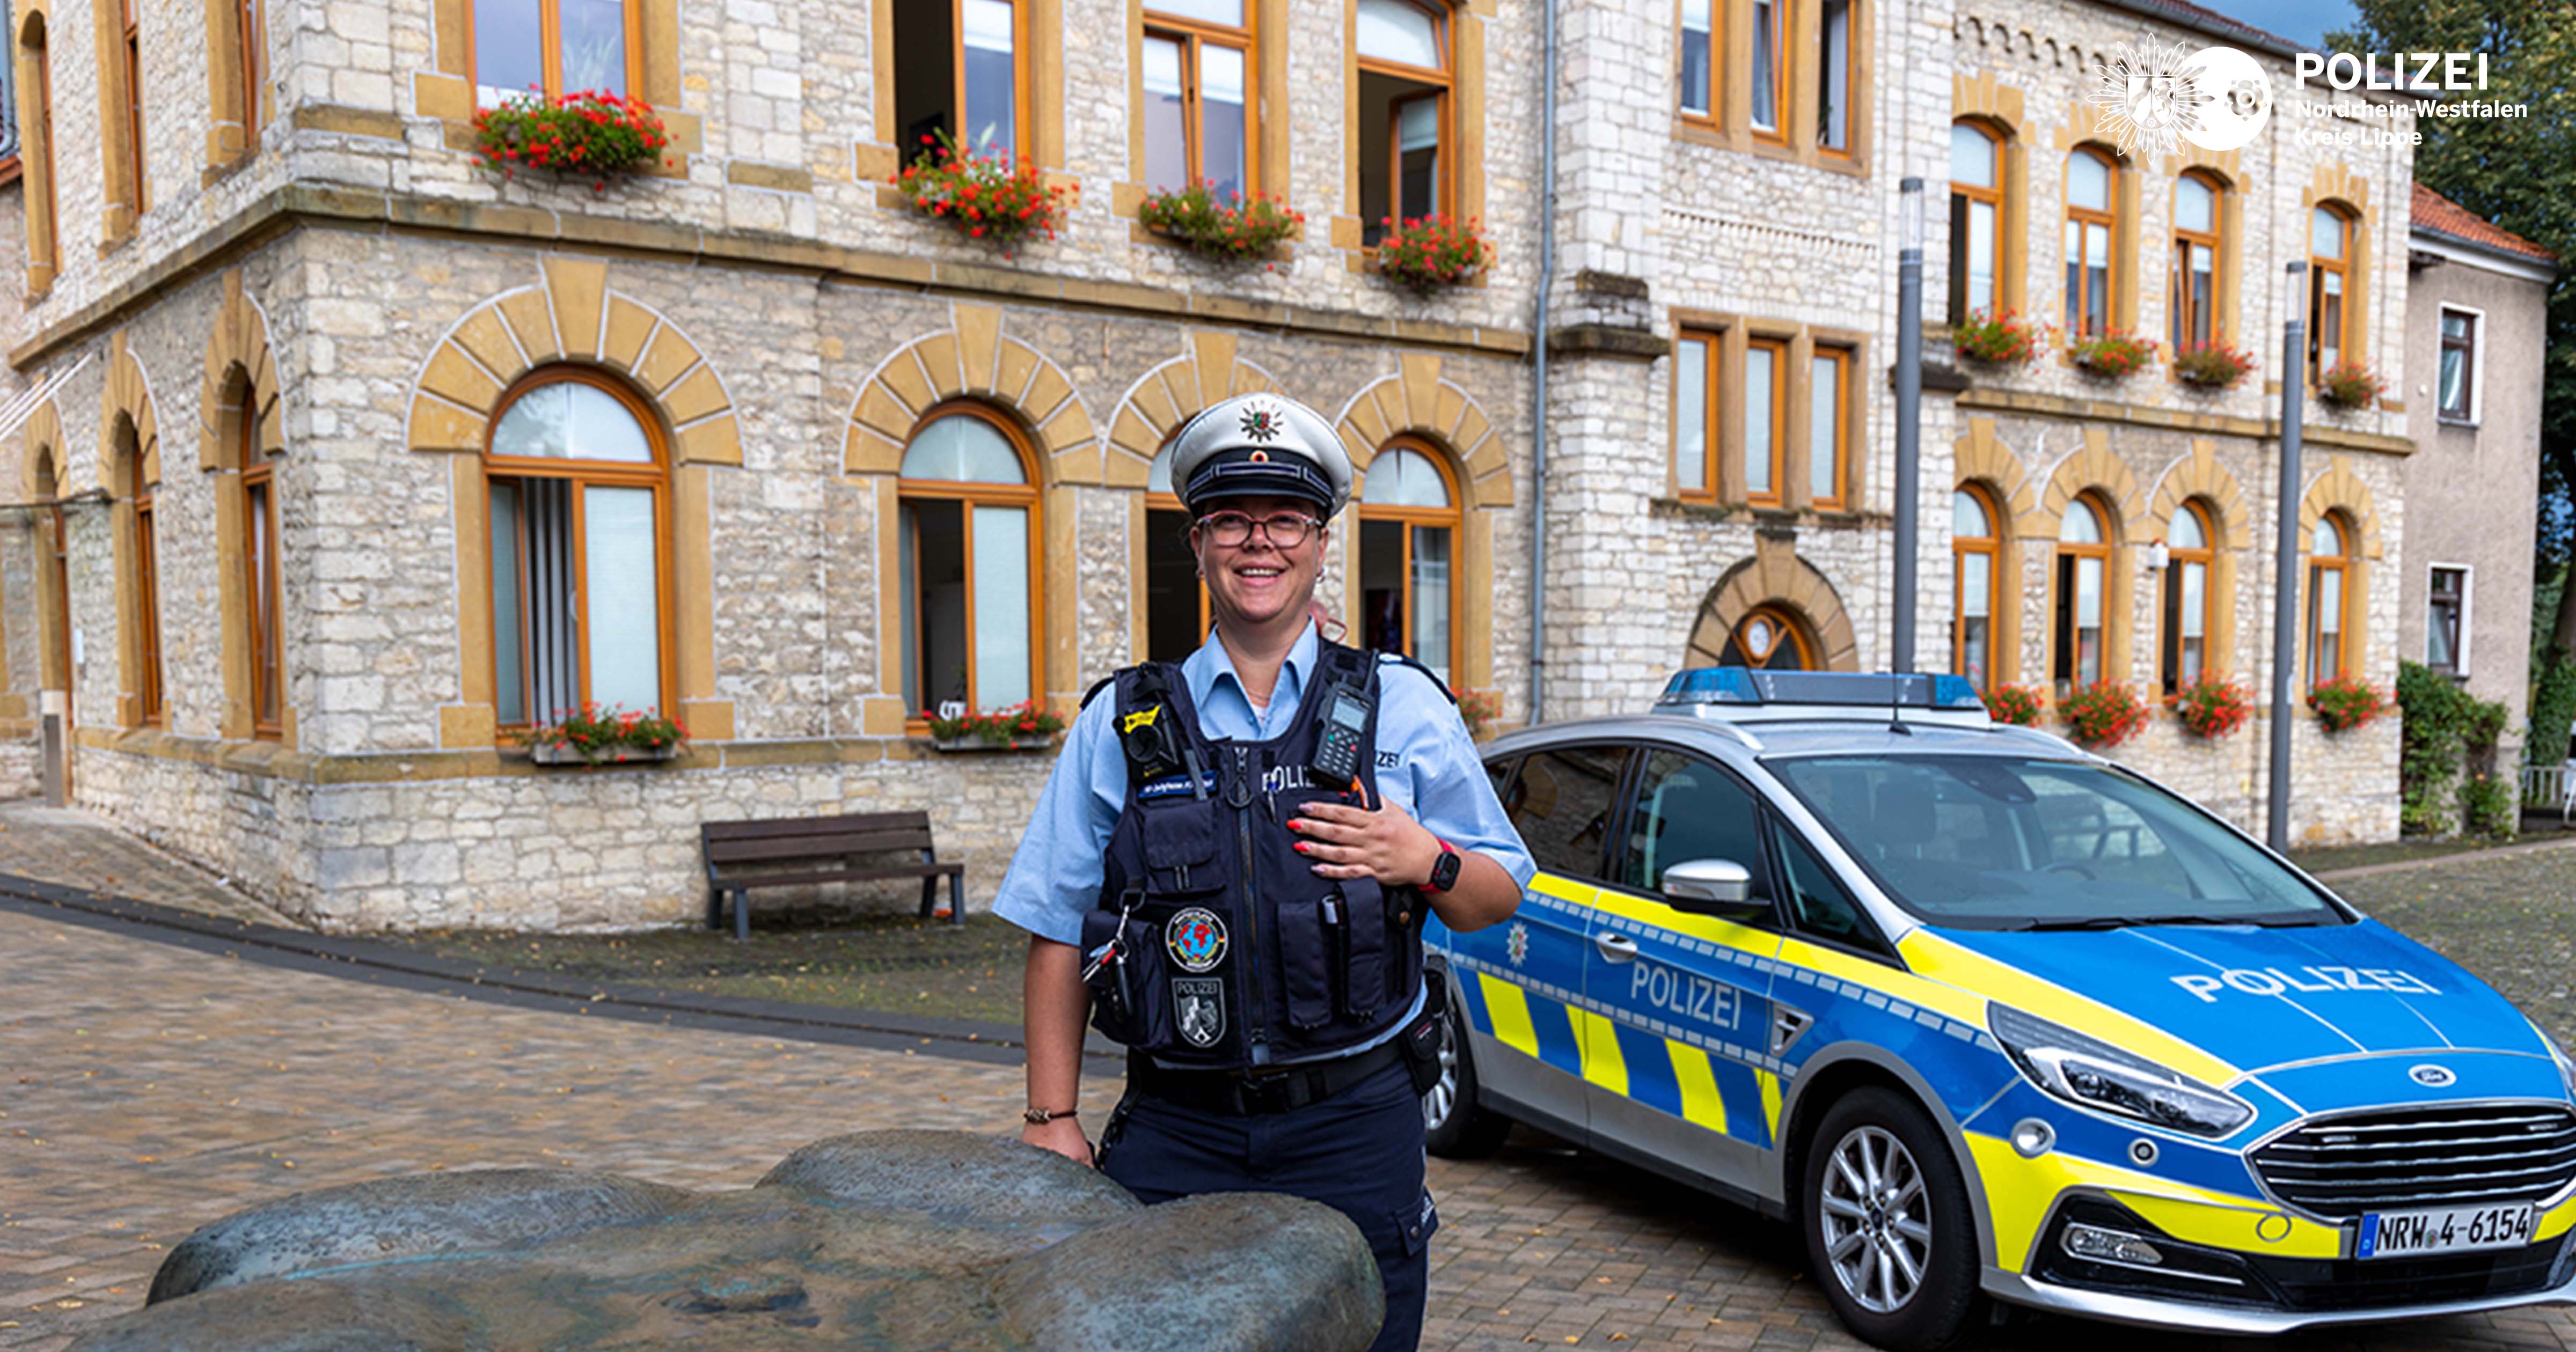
x=1257 y=582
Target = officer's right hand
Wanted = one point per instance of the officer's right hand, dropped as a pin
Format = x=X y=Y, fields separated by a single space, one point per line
x=1062 y=1136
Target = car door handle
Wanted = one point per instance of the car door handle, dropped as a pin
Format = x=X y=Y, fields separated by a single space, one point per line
x=1615 y=947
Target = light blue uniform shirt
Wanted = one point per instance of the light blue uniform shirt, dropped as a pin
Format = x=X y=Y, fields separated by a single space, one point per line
x=1426 y=763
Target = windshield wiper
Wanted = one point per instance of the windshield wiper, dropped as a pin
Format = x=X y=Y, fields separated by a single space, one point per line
x=2113 y=922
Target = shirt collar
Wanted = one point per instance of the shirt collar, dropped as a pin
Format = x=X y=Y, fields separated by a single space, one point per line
x=1212 y=667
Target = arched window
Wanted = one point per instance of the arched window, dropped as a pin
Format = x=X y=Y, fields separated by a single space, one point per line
x=554 y=47
x=1176 y=600
x=967 y=547
x=2083 y=567
x=2330 y=286
x=2090 y=192
x=2187 y=602
x=2330 y=600
x=1974 y=546
x=2194 y=283
x=580 y=577
x=1404 y=113
x=1976 y=209
x=1769 y=638
x=1408 y=555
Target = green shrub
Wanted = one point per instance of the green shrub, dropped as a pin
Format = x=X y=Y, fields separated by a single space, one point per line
x=2553 y=712
x=2490 y=806
x=2444 y=730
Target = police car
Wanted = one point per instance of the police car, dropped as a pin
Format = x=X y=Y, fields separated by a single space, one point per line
x=1986 y=1016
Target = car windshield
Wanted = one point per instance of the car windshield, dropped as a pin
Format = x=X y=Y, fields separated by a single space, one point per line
x=2000 y=842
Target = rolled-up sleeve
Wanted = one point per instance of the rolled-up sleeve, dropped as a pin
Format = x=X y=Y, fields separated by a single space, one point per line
x=1438 y=773
x=1055 y=874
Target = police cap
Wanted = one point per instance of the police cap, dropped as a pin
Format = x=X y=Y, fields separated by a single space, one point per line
x=1260 y=445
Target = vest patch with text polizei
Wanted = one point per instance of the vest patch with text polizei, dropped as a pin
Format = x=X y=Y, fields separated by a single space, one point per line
x=1214 y=944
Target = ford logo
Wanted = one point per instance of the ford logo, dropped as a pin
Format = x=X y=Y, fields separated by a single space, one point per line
x=2433 y=1077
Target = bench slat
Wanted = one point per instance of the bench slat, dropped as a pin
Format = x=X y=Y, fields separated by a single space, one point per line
x=730 y=881
x=766 y=827
x=812 y=847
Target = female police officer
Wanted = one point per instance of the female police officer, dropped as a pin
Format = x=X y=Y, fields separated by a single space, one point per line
x=1229 y=867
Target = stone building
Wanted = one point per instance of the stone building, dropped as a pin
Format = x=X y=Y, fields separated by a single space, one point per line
x=2476 y=328
x=748 y=438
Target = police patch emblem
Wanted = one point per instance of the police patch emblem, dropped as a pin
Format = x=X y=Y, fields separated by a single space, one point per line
x=1196 y=940
x=1516 y=944
x=1199 y=1003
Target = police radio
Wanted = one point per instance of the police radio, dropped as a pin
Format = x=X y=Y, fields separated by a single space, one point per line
x=1337 y=751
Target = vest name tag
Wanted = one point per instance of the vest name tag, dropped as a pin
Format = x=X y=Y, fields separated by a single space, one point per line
x=1168 y=785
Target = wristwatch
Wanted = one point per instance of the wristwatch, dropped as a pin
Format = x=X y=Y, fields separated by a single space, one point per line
x=1444 y=870
x=1039 y=1117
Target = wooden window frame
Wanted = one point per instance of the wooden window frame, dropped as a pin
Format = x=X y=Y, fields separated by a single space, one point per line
x=250 y=25
x=2214 y=239
x=1990 y=547
x=2320 y=265
x=263 y=596
x=2468 y=575
x=2107 y=217
x=550 y=40
x=1844 y=358
x=147 y=606
x=581 y=475
x=2467 y=414
x=1022 y=122
x=2169 y=613
x=1445 y=85
x=1707 y=118
x=1780 y=348
x=1452 y=518
x=44 y=226
x=1852 y=129
x=131 y=52
x=2341 y=565
x=1194 y=34
x=1713 y=347
x=1791 y=631
x=969 y=496
x=1991 y=197
x=1782 y=64
x=2065 y=550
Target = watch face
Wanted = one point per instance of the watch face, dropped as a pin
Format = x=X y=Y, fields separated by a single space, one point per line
x=1444 y=874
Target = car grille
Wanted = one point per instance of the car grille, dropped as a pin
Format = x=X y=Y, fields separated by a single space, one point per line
x=2422 y=1157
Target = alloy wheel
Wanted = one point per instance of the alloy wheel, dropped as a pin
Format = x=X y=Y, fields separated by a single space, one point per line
x=1441 y=1099
x=1877 y=1219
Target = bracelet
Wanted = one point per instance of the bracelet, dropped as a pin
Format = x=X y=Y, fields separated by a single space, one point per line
x=1039 y=1117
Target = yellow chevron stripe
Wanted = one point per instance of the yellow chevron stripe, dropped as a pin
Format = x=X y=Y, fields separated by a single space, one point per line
x=1702 y=1105
x=1727 y=933
x=1939 y=997
x=1508 y=1005
x=1967 y=969
x=1770 y=1100
x=1602 y=1062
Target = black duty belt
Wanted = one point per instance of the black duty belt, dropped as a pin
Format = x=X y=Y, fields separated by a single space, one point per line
x=1253 y=1093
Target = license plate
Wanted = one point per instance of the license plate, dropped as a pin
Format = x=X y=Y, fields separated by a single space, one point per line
x=2464 y=1229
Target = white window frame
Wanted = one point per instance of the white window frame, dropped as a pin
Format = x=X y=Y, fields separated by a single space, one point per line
x=2477 y=368
x=2468 y=609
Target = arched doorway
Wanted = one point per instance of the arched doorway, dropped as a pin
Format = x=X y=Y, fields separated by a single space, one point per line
x=1775 y=612
x=1769 y=638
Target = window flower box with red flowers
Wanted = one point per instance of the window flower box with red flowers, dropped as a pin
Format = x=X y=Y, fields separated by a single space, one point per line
x=2349 y=384
x=2103 y=715
x=2017 y=706
x=2111 y=355
x=2213 y=706
x=2347 y=702
x=2212 y=366
x=1021 y=727
x=1424 y=254
x=983 y=197
x=590 y=134
x=1999 y=339
x=591 y=735
x=1480 y=710
x=1237 y=231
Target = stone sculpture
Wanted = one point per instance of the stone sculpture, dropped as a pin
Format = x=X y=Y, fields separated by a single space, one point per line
x=889 y=1239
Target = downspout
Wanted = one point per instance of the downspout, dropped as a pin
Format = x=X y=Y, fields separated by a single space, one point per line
x=1538 y=335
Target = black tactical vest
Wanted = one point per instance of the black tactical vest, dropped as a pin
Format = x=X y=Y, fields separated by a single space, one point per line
x=1214 y=945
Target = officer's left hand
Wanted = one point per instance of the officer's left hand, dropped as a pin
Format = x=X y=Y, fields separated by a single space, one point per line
x=1384 y=843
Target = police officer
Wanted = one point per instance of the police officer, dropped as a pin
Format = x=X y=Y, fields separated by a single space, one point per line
x=1229 y=870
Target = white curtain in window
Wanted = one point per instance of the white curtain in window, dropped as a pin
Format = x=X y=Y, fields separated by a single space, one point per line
x=1403 y=478
x=1431 y=598
x=509 y=675
x=1824 y=427
x=1001 y=605
x=1757 y=421
x=1395 y=30
x=1690 y=416
x=962 y=448
x=623 y=624
x=991 y=75
x=1226 y=12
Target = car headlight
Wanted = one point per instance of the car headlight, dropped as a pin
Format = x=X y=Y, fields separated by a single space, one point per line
x=2566 y=1067
x=2091 y=1073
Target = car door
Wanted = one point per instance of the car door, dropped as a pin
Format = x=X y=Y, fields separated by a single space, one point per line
x=1520 y=983
x=1676 y=1013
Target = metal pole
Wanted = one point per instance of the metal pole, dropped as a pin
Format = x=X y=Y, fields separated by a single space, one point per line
x=1538 y=385
x=2285 y=565
x=1909 y=418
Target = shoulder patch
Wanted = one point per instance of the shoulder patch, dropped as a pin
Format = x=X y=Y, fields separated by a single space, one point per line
x=1427 y=674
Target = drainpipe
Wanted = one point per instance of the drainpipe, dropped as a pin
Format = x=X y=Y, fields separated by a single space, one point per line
x=1538 y=335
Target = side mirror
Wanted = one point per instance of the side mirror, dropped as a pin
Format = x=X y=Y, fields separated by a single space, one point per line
x=1718 y=887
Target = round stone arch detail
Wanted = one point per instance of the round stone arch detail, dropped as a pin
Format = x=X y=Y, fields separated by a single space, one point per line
x=974 y=358
x=1774 y=576
x=1171 y=394
x=572 y=316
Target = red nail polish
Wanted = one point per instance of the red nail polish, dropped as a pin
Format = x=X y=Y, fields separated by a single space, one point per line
x=1301 y=847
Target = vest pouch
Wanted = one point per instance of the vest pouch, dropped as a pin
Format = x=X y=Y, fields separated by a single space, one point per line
x=1180 y=841
x=1130 y=1001
x=1364 y=958
x=1310 y=937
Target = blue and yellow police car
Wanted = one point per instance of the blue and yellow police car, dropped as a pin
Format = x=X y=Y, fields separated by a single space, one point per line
x=1988 y=1017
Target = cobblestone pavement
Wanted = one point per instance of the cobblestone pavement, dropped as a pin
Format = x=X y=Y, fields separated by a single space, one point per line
x=146 y=1088
x=77 y=849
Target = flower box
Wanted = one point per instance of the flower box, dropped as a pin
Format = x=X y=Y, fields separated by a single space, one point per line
x=2111 y=356
x=565 y=753
x=979 y=744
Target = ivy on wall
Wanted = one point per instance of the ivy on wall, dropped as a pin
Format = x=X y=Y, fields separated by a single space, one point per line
x=2446 y=771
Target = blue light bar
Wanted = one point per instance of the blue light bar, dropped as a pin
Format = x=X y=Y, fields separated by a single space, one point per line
x=1850 y=689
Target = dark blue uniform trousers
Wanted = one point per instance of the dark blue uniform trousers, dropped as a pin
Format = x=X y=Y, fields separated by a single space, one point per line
x=1359 y=1152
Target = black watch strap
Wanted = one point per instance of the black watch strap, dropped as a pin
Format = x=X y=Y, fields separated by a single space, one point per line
x=1444 y=870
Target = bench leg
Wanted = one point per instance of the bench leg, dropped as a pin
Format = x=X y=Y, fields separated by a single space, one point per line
x=715 y=907
x=741 y=913
x=929 y=894
x=957 y=898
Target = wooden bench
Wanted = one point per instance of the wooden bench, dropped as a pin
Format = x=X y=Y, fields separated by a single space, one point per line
x=785 y=851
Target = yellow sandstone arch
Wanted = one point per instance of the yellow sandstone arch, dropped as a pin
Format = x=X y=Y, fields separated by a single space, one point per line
x=1775 y=576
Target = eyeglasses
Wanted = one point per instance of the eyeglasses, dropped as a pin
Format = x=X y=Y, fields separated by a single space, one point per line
x=1287 y=530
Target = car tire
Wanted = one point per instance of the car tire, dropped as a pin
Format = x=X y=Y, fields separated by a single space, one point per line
x=1884 y=1210
x=1454 y=1125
